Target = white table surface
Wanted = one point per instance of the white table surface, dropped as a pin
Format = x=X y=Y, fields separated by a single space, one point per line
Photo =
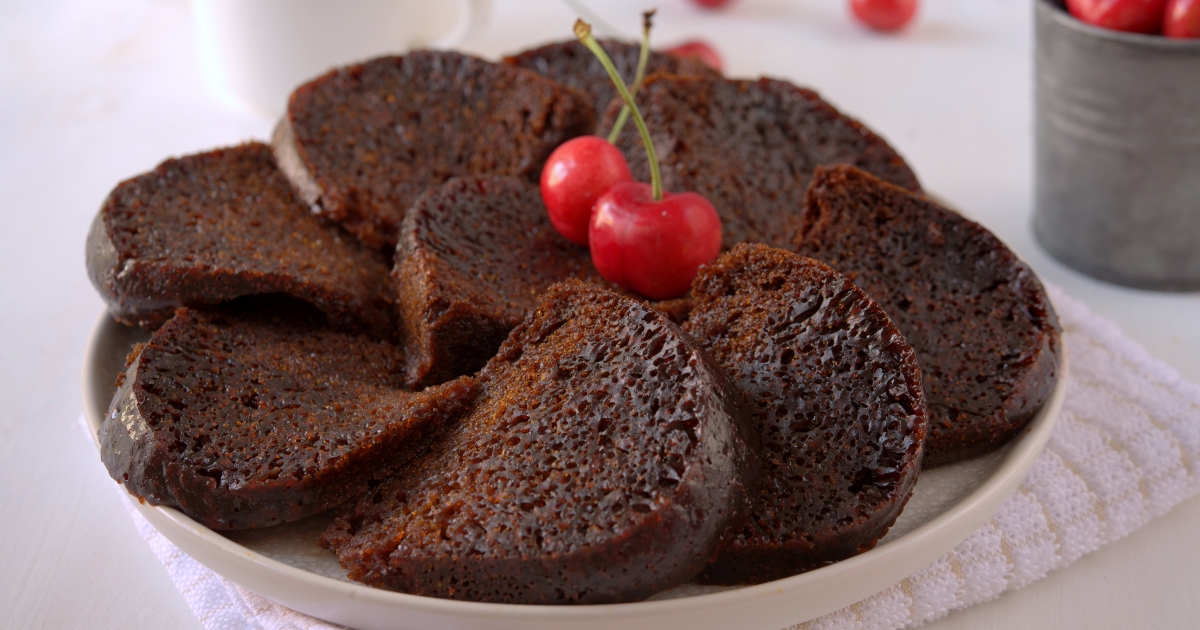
x=94 y=91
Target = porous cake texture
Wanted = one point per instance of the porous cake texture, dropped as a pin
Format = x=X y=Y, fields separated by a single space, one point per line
x=985 y=334
x=838 y=408
x=258 y=413
x=207 y=228
x=750 y=147
x=474 y=255
x=571 y=63
x=603 y=461
x=364 y=141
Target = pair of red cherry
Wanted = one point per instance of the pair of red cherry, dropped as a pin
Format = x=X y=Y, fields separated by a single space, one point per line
x=640 y=238
x=652 y=247
x=1173 y=18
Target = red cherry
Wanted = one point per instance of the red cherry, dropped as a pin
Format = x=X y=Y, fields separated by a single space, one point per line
x=642 y=239
x=1133 y=16
x=575 y=175
x=700 y=50
x=711 y=4
x=884 y=15
x=653 y=247
x=1182 y=19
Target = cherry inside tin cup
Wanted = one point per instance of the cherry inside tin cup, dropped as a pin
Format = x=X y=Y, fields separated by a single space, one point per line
x=1117 y=151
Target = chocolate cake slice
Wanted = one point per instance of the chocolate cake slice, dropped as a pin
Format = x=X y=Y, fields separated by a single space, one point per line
x=984 y=331
x=206 y=228
x=473 y=257
x=602 y=461
x=474 y=254
x=254 y=414
x=838 y=407
x=570 y=63
x=364 y=141
x=750 y=148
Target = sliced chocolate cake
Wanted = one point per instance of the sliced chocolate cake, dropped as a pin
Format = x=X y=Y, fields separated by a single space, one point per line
x=602 y=462
x=985 y=333
x=254 y=414
x=838 y=408
x=570 y=63
x=750 y=148
x=473 y=256
x=364 y=141
x=210 y=227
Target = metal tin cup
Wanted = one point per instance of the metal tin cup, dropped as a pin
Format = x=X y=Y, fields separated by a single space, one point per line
x=1117 y=158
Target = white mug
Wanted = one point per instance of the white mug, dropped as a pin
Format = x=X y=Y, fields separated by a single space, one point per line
x=255 y=52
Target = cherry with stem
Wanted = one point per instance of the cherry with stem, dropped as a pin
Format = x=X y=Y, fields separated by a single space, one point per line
x=641 y=238
x=584 y=32
x=583 y=168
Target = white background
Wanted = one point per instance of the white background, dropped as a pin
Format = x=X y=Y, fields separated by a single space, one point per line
x=94 y=91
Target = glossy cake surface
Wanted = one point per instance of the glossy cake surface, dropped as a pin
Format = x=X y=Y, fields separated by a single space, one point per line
x=257 y=413
x=602 y=462
x=364 y=141
x=837 y=402
x=474 y=255
x=570 y=63
x=750 y=148
x=210 y=227
x=984 y=331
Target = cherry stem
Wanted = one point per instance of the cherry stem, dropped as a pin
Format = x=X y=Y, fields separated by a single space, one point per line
x=580 y=9
x=643 y=58
x=584 y=32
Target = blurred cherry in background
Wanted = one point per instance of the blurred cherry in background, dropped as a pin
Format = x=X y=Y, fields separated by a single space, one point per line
x=700 y=50
x=884 y=15
x=1182 y=19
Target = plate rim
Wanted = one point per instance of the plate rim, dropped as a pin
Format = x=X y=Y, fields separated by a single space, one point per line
x=834 y=586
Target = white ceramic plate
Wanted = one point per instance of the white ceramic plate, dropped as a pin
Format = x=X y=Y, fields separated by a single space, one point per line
x=285 y=564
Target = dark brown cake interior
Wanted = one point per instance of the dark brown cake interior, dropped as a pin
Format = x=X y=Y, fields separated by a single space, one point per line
x=257 y=413
x=837 y=404
x=474 y=254
x=984 y=332
x=570 y=63
x=601 y=463
x=210 y=227
x=373 y=136
x=750 y=148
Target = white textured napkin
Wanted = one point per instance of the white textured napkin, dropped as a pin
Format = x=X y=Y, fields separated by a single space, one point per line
x=1124 y=451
